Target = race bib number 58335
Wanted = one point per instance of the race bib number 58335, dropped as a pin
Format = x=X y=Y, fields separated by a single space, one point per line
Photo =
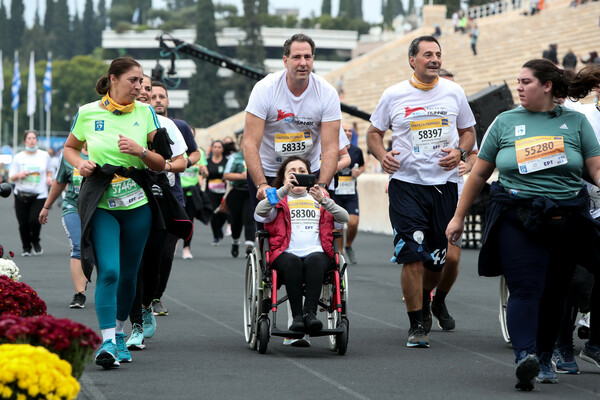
x=292 y=144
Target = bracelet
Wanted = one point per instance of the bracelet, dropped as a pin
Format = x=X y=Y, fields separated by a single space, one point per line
x=170 y=166
x=189 y=163
x=46 y=208
x=264 y=183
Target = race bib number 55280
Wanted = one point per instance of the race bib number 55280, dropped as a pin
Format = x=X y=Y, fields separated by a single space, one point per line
x=293 y=144
x=540 y=152
x=430 y=135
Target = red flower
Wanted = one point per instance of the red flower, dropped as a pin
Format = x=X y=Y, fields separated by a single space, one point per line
x=1 y=251
x=18 y=298
x=11 y=254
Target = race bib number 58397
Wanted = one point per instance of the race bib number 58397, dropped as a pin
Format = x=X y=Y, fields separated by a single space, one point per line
x=430 y=135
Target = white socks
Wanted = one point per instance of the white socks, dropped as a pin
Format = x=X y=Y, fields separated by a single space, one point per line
x=109 y=334
x=120 y=326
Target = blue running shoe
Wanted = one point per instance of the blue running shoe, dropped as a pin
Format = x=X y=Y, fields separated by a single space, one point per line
x=527 y=370
x=563 y=361
x=123 y=354
x=136 y=340
x=149 y=322
x=106 y=357
x=546 y=374
x=590 y=353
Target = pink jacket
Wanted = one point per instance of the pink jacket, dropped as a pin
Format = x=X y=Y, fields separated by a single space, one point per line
x=280 y=230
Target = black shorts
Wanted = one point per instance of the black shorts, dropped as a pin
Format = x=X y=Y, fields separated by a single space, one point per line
x=348 y=202
x=419 y=215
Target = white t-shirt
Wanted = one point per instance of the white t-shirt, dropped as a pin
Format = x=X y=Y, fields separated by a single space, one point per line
x=305 y=213
x=292 y=123
x=593 y=116
x=343 y=142
x=178 y=147
x=422 y=124
x=38 y=164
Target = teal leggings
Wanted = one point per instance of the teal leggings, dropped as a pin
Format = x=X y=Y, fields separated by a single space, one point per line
x=119 y=237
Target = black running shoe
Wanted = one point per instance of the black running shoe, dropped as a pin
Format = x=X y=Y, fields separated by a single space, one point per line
x=312 y=323
x=445 y=320
x=417 y=337
x=528 y=369
x=78 y=301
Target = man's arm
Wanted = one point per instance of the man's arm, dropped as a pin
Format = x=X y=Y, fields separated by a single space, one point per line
x=253 y=135
x=466 y=140
x=330 y=133
x=375 y=143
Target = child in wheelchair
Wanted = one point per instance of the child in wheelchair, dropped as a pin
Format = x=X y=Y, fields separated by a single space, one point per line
x=300 y=222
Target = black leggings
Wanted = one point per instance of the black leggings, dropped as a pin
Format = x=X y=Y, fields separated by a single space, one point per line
x=190 y=210
x=578 y=299
x=241 y=214
x=28 y=212
x=538 y=272
x=295 y=271
x=218 y=220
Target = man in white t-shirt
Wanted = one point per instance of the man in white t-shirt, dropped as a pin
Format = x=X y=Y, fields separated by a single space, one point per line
x=291 y=112
x=432 y=130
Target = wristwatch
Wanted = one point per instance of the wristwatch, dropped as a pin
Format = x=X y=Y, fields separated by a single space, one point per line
x=144 y=153
x=323 y=185
x=463 y=154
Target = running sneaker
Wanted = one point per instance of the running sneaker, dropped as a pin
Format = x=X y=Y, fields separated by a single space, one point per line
x=417 y=337
x=297 y=324
x=136 y=340
x=528 y=369
x=26 y=253
x=445 y=320
x=427 y=320
x=350 y=253
x=563 y=361
x=215 y=242
x=78 y=301
x=149 y=322
x=304 y=342
x=106 y=357
x=546 y=374
x=158 y=308
x=37 y=249
x=123 y=355
x=311 y=322
x=590 y=353
x=187 y=254
x=235 y=250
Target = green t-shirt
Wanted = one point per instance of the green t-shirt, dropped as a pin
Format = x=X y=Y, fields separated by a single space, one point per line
x=237 y=164
x=540 y=155
x=190 y=177
x=101 y=129
x=70 y=175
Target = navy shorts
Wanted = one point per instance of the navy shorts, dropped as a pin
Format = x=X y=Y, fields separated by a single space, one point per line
x=348 y=202
x=419 y=215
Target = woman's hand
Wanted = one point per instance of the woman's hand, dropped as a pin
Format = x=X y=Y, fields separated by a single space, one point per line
x=317 y=193
x=86 y=167
x=43 y=217
x=129 y=146
x=455 y=229
x=290 y=181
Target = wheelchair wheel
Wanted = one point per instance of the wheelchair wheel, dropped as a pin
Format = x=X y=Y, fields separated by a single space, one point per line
x=334 y=318
x=342 y=338
x=503 y=304
x=263 y=335
x=251 y=301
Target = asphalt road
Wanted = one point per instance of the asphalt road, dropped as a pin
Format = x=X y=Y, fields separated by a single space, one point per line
x=199 y=351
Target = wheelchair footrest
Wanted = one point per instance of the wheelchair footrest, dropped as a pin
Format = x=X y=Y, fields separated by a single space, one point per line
x=300 y=335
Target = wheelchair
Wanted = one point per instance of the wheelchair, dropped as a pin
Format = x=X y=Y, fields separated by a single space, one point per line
x=261 y=301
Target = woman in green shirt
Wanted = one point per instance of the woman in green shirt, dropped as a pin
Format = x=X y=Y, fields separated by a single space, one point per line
x=116 y=130
x=538 y=221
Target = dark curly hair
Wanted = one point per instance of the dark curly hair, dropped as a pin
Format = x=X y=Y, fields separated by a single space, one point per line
x=280 y=178
x=565 y=83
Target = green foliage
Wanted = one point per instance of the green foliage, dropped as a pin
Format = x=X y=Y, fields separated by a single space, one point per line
x=291 y=21
x=122 y=26
x=16 y=25
x=60 y=38
x=4 y=37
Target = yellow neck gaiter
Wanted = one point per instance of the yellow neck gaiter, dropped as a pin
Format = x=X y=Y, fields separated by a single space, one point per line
x=423 y=86
x=115 y=108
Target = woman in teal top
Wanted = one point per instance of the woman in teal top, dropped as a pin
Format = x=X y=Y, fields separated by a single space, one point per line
x=116 y=130
x=538 y=221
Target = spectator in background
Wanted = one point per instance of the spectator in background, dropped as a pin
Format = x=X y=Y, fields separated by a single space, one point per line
x=455 y=21
x=592 y=58
x=570 y=60
x=474 y=35
x=551 y=53
x=437 y=32
x=533 y=6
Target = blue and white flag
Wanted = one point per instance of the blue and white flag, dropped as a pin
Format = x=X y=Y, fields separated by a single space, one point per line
x=31 y=87
x=16 y=83
x=48 y=84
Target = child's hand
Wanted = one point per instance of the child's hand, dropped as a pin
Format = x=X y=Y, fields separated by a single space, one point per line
x=290 y=181
x=316 y=193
